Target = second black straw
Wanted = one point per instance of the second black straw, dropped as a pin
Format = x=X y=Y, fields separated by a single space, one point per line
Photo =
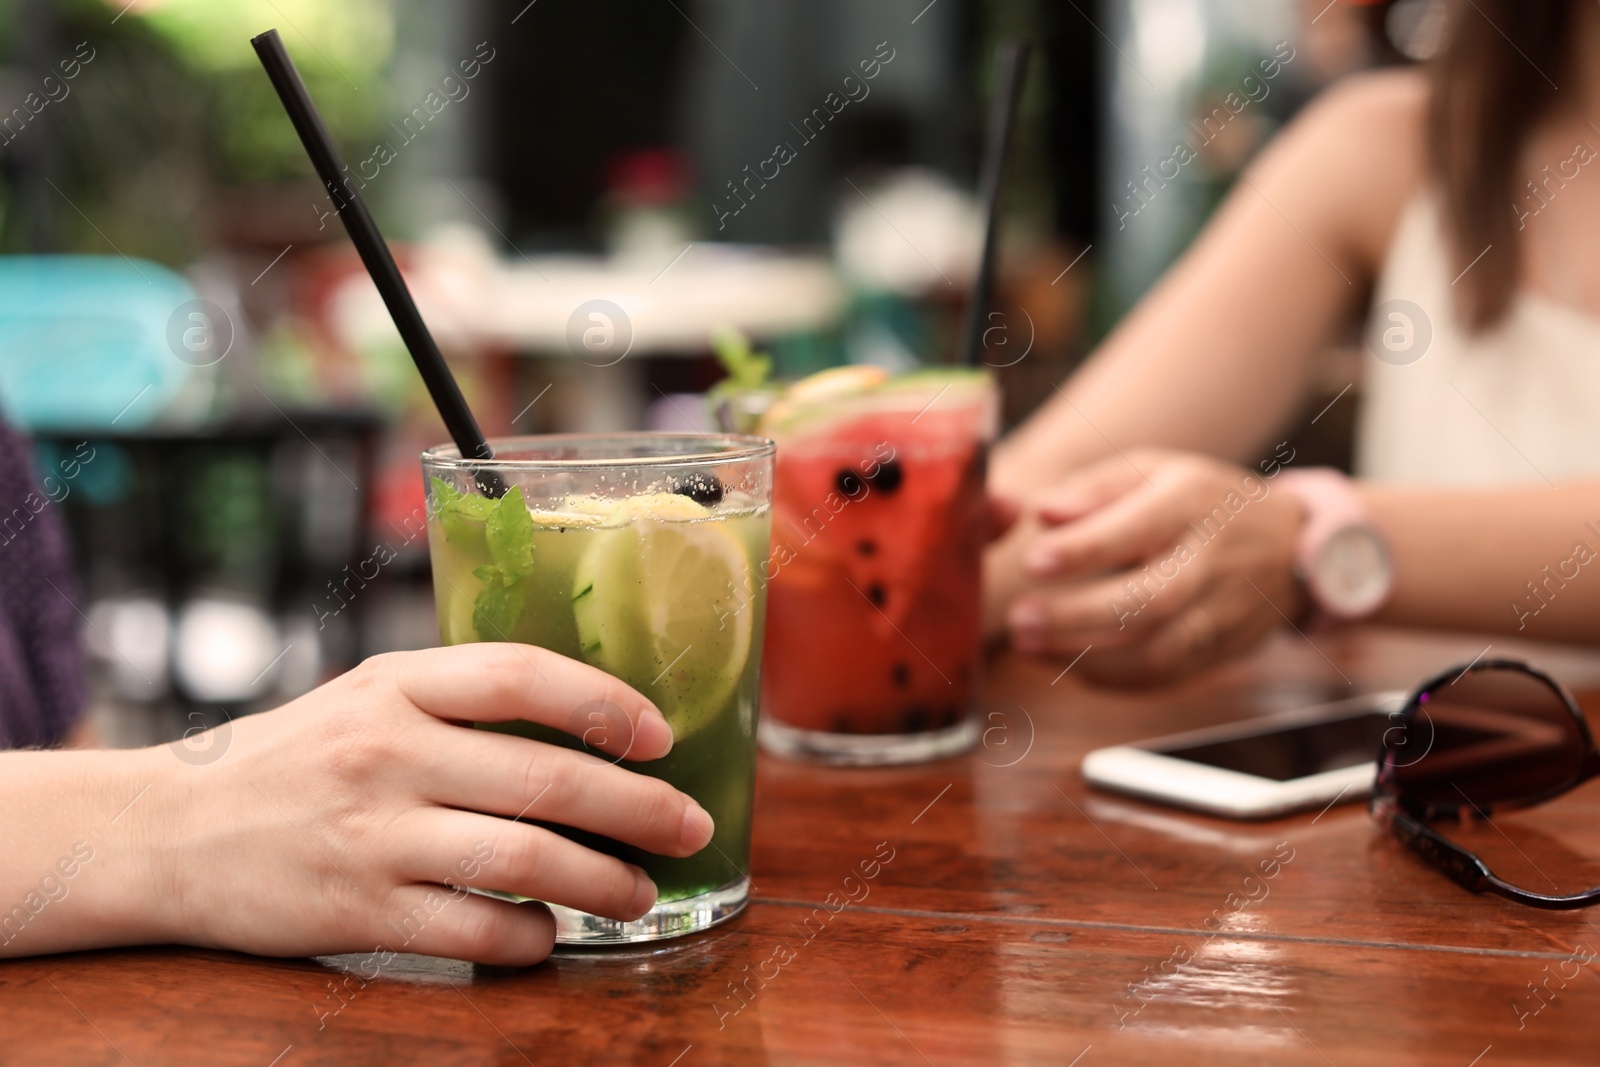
x=1012 y=72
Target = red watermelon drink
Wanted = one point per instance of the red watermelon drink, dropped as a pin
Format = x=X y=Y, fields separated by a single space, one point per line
x=873 y=635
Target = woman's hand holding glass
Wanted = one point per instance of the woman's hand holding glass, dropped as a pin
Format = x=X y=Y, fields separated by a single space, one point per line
x=357 y=817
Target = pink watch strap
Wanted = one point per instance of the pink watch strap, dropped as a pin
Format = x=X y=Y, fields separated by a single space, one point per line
x=1332 y=504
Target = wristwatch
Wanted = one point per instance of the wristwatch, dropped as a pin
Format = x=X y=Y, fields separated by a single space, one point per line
x=1341 y=556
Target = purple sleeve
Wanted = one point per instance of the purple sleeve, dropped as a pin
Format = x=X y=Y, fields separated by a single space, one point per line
x=42 y=685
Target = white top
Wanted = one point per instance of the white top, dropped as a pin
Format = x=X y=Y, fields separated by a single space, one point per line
x=1517 y=403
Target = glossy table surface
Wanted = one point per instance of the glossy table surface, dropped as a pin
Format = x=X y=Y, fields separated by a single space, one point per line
x=986 y=909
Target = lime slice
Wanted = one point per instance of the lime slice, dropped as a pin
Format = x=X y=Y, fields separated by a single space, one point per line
x=567 y=519
x=836 y=382
x=941 y=388
x=664 y=506
x=661 y=603
x=938 y=377
x=821 y=388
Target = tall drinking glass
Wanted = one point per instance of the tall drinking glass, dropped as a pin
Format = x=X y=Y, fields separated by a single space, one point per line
x=639 y=554
x=873 y=653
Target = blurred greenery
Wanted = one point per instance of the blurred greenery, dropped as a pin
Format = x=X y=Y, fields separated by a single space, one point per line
x=172 y=107
x=341 y=49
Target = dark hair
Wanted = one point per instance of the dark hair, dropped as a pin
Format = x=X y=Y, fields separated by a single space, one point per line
x=1493 y=80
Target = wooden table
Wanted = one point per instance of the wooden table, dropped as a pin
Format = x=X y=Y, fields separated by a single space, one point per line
x=1021 y=918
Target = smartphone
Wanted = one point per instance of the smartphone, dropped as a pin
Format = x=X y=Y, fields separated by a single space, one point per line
x=1263 y=767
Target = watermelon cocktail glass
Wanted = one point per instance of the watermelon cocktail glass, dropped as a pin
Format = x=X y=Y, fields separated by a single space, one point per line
x=873 y=640
x=638 y=554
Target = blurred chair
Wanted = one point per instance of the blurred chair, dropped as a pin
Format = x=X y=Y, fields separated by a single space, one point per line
x=226 y=565
x=86 y=341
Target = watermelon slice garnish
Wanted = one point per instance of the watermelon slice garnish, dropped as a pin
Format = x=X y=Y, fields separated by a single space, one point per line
x=879 y=510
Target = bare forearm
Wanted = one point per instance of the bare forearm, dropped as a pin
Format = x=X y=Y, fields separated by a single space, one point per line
x=1523 y=561
x=1172 y=377
x=80 y=863
x=1216 y=357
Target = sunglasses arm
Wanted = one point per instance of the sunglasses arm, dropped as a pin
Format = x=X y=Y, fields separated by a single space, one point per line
x=1463 y=868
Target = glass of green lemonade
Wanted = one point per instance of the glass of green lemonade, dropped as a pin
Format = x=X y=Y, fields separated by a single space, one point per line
x=641 y=554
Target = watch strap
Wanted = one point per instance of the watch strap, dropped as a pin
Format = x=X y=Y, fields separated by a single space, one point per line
x=1332 y=504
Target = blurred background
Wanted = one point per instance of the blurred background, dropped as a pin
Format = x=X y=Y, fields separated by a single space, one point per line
x=181 y=314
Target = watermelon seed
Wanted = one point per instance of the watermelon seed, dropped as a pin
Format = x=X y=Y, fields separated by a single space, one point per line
x=889 y=477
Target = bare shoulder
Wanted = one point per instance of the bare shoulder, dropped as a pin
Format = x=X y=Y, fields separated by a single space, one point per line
x=1379 y=117
x=1354 y=158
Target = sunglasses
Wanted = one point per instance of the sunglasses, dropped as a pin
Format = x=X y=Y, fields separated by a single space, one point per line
x=1495 y=735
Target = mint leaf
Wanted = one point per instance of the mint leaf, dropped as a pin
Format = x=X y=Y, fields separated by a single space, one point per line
x=447 y=497
x=461 y=515
x=499 y=604
x=747 y=370
x=509 y=531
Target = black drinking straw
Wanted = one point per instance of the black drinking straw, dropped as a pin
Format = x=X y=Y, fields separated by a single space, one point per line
x=1012 y=57
x=375 y=255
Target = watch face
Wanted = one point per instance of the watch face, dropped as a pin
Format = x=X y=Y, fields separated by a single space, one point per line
x=1352 y=573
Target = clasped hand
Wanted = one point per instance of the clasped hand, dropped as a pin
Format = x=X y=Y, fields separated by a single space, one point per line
x=1158 y=563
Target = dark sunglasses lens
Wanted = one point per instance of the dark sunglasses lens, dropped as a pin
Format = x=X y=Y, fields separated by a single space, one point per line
x=1490 y=736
